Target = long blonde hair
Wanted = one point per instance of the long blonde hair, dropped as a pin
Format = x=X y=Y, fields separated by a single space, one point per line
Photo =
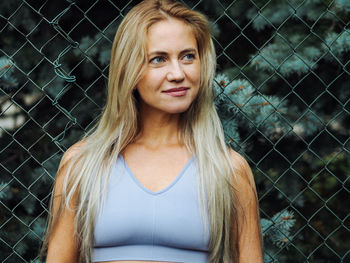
x=200 y=130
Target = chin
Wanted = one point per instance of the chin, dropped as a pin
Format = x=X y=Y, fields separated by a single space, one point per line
x=177 y=110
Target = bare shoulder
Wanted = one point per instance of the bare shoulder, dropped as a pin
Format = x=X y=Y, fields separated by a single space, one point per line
x=243 y=177
x=244 y=185
x=67 y=157
x=62 y=246
x=240 y=164
x=72 y=151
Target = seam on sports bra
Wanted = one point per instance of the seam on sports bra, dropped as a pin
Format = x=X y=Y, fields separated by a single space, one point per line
x=178 y=177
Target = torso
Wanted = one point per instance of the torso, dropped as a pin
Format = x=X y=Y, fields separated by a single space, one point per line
x=155 y=170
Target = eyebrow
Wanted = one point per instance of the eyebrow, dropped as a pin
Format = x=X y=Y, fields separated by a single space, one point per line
x=163 y=53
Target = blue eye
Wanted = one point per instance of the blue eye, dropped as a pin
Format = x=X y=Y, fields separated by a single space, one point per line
x=189 y=57
x=157 y=60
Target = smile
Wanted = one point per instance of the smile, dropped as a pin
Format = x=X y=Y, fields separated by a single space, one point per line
x=176 y=92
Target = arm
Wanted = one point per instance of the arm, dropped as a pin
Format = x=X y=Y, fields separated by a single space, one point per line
x=249 y=240
x=62 y=246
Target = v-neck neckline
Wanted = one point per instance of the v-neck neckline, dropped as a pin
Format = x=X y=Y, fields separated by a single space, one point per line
x=165 y=189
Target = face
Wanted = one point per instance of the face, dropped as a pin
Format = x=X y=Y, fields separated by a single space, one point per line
x=171 y=80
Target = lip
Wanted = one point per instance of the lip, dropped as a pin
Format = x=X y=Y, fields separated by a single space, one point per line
x=176 y=92
x=176 y=89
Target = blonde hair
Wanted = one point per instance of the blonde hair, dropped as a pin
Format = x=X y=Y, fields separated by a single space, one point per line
x=200 y=130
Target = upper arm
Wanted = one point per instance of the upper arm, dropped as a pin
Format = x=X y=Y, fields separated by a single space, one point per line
x=250 y=235
x=62 y=246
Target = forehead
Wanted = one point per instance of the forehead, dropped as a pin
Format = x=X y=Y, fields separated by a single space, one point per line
x=170 y=35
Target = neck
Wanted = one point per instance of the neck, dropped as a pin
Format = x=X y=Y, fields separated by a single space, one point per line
x=158 y=128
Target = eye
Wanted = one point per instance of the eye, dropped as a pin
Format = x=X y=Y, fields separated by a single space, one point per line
x=189 y=57
x=157 y=60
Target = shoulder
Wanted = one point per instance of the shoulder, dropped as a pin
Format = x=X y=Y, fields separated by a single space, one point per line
x=248 y=216
x=67 y=158
x=243 y=177
x=63 y=172
x=239 y=162
x=71 y=152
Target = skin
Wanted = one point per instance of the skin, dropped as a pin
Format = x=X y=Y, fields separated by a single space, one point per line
x=173 y=62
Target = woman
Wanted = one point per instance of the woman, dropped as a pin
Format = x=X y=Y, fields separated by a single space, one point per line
x=154 y=180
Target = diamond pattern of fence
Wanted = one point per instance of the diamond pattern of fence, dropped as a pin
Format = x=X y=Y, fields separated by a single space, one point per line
x=282 y=93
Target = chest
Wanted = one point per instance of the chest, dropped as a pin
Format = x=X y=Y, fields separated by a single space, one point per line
x=132 y=216
x=156 y=171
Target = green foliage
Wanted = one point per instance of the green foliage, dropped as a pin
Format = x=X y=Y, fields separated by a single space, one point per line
x=239 y=105
x=4 y=191
x=342 y=5
x=281 y=91
x=337 y=44
x=281 y=57
x=278 y=228
x=277 y=233
x=7 y=80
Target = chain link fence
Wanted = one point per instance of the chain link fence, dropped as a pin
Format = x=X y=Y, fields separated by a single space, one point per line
x=282 y=92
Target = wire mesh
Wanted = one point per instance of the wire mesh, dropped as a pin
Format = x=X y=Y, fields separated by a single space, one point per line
x=282 y=92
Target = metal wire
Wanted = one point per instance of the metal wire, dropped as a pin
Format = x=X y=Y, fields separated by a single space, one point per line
x=53 y=71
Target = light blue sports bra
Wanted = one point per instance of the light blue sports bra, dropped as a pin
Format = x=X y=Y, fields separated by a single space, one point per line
x=135 y=223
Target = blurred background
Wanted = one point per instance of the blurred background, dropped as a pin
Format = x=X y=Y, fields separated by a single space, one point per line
x=282 y=91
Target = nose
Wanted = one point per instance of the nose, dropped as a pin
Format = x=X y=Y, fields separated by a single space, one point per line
x=175 y=72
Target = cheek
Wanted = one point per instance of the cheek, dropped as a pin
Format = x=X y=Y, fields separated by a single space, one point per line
x=196 y=69
x=152 y=79
x=145 y=84
x=194 y=75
